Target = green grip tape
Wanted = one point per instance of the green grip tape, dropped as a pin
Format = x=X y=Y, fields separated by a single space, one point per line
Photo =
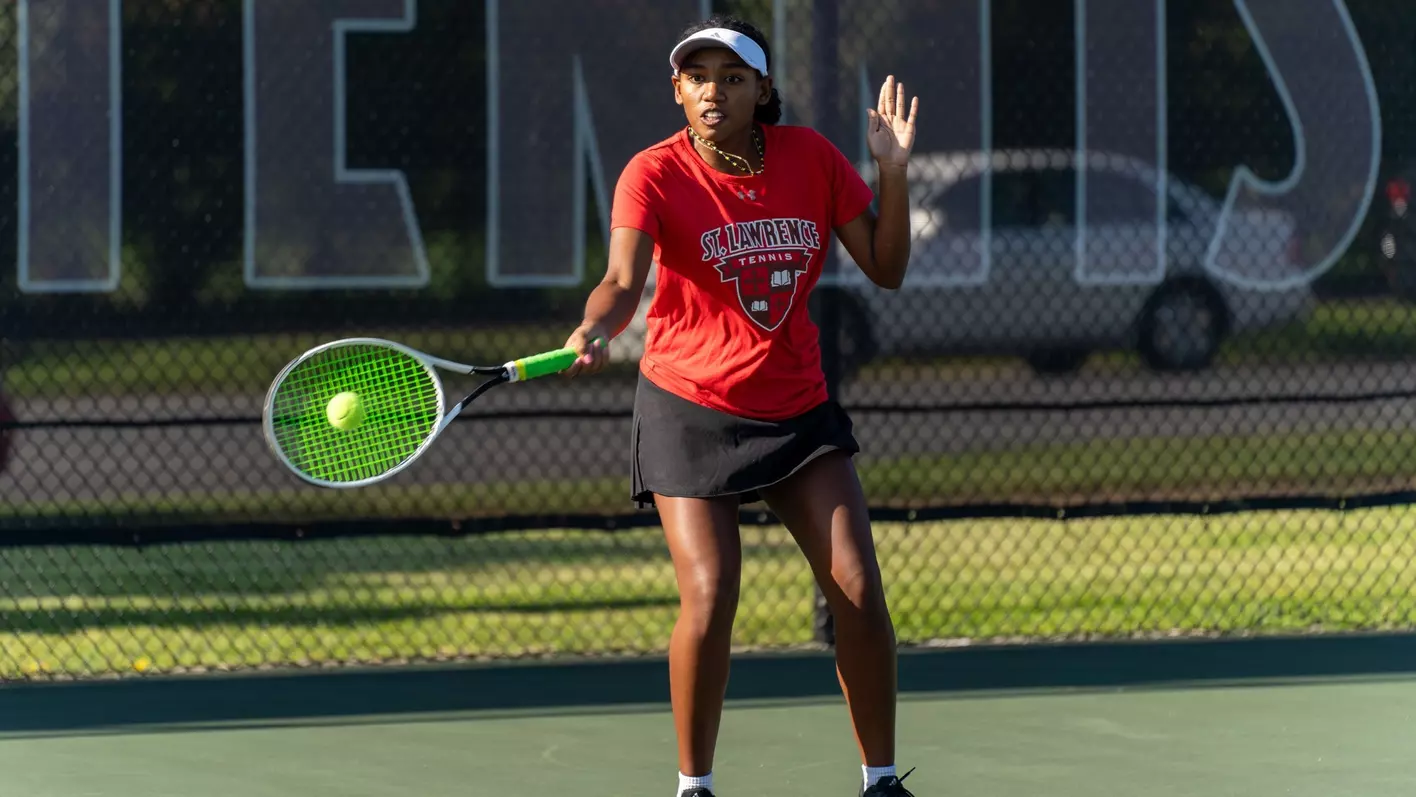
x=545 y=364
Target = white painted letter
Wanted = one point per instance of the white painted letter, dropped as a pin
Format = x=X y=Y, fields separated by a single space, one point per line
x=311 y=221
x=1121 y=142
x=70 y=146
x=1322 y=75
x=569 y=87
x=948 y=64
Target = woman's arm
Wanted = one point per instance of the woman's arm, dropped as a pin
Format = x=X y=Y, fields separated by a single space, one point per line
x=881 y=246
x=612 y=304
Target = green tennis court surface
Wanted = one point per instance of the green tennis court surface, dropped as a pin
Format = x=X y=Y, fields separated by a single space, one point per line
x=991 y=727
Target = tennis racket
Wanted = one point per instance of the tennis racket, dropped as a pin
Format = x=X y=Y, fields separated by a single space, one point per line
x=354 y=412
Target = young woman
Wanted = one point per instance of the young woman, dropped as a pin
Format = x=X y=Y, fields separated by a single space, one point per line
x=731 y=406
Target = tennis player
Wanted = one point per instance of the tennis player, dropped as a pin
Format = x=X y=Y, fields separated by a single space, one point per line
x=731 y=405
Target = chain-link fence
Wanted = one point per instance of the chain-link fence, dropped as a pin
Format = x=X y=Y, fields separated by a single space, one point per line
x=1149 y=373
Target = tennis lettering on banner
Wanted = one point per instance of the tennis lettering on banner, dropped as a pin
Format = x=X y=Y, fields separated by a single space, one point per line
x=70 y=201
x=595 y=107
x=328 y=227
x=312 y=222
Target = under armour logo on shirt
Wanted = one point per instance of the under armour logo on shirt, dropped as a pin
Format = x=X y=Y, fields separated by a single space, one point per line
x=751 y=194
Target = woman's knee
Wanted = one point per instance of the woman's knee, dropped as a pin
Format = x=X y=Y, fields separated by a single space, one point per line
x=707 y=552
x=858 y=586
x=708 y=598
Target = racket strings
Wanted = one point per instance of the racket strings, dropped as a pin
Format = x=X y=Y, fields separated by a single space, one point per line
x=398 y=396
x=389 y=433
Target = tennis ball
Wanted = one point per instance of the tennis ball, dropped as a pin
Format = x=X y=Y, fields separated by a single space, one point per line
x=345 y=411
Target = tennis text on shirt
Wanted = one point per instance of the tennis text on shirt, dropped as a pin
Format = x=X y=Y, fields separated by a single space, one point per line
x=766 y=260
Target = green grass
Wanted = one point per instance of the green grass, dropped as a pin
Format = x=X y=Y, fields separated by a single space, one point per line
x=87 y=611
x=1341 y=463
x=308 y=503
x=1371 y=329
x=245 y=363
x=231 y=605
x=1344 y=329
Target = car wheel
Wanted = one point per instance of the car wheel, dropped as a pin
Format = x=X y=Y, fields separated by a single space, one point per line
x=1182 y=326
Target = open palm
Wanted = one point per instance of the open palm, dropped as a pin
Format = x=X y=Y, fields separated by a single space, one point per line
x=890 y=133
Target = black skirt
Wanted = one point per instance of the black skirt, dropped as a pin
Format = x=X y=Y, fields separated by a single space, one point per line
x=683 y=449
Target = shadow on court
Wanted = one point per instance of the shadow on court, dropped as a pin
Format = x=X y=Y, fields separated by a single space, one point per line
x=435 y=692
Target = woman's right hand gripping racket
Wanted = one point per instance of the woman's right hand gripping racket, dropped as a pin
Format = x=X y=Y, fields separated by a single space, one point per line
x=357 y=411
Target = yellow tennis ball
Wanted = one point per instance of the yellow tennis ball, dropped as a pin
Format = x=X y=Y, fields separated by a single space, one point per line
x=345 y=411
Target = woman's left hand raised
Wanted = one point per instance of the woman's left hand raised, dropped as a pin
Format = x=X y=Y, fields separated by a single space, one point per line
x=890 y=133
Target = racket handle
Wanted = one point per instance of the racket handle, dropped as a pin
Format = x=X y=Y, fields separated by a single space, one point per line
x=543 y=364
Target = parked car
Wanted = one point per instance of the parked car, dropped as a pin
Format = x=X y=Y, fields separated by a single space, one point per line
x=1032 y=304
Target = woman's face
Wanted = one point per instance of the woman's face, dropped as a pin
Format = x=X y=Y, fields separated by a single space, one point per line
x=719 y=93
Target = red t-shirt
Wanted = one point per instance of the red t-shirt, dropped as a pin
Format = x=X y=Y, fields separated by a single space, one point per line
x=738 y=255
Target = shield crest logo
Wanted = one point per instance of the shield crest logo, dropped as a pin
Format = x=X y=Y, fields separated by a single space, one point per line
x=767 y=282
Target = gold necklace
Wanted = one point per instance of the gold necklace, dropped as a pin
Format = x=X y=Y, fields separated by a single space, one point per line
x=736 y=160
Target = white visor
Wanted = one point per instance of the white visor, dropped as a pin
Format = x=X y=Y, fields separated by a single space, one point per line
x=746 y=48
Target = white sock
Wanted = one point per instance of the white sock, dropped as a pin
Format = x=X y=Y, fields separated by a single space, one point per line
x=686 y=783
x=874 y=774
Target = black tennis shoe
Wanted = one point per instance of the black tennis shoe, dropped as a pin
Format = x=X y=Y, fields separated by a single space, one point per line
x=696 y=791
x=889 y=787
